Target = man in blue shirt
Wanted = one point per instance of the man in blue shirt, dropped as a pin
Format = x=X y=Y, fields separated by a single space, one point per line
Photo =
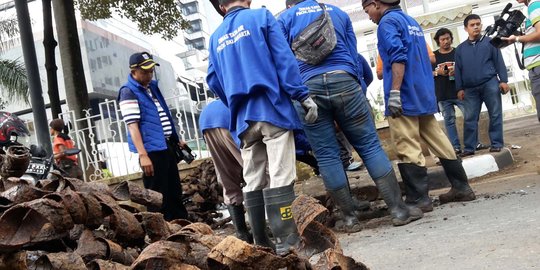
x=481 y=77
x=335 y=83
x=214 y=123
x=152 y=134
x=254 y=73
x=411 y=104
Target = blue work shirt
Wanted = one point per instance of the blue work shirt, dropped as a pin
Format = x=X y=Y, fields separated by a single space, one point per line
x=214 y=115
x=401 y=40
x=344 y=56
x=253 y=71
x=364 y=69
x=477 y=62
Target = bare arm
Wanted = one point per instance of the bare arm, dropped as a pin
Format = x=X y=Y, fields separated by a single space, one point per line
x=398 y=71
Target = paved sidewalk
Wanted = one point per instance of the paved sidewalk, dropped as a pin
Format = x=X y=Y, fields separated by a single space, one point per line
x=500 y=230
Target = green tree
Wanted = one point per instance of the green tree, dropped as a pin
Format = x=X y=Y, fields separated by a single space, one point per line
x=13 y=82
x=152 y=16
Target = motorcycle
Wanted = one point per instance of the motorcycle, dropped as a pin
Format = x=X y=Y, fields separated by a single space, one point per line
x=41 y=166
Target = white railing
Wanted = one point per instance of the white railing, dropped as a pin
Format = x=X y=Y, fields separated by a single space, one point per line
x=102 y=135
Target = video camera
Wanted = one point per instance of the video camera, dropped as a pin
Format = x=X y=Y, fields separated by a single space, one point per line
x=505 y=27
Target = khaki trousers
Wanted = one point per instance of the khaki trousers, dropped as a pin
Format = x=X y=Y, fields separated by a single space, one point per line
x=406 y=132
x=265 y=145
x=228 y=163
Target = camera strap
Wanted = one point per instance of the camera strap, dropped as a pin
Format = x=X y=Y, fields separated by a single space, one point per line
x=519 y=58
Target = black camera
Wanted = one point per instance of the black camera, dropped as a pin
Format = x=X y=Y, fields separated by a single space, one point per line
x=505 y=27
x=188 y=155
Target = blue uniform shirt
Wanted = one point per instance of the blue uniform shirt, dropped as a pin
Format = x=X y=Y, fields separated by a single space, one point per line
x=344 y=56
x=365 y=72
x=214 y=115
x=253 y=71
x=401 y=40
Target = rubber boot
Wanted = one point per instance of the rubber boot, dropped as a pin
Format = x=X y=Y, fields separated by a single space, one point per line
x=416 y=183
x=278 y=203
x=359 y=205
x=239 y=221
x=343 y=199
x=254 y=203
x=401 y=213
x=460 y=191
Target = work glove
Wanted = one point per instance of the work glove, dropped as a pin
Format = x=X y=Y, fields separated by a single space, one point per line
x=311 y=110
x=394 y=104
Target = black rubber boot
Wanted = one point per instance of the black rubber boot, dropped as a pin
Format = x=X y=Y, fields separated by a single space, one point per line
x=278 y=203
x=239 y=221
x=415 y=179
x=460 y=191
x=359 y=205
x=254 y=203
x=342 y=198
x=401 y=213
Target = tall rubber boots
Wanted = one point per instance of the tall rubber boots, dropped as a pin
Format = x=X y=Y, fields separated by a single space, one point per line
x=401 y=213
x=254 y=203
x=278 y=203
x=416 y=183
x=342 y=198
x=239 y=221
x=460 y=191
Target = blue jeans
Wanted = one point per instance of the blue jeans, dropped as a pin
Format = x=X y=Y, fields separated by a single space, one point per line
x=449 y=113
x=489 y=94
x=340 y=99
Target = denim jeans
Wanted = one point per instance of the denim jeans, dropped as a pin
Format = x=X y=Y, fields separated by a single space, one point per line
x=534 y=76
x=449 y=113
x=489 y=94
x=340 y=99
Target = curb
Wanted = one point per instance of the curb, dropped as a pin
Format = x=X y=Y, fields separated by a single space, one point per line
x=475 y=166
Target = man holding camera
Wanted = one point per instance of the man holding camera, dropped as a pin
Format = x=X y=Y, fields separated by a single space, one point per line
x=152 y=134
x=531 y=51
x=481 y=77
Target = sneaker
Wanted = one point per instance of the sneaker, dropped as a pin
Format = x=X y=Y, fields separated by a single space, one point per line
x=495 y=149
x=481 y=146
x=466 y=154
x=457 y=151
x=354 y=166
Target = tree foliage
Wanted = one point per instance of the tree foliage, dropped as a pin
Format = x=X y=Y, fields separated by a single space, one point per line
x=13 y=82
x=152 y=16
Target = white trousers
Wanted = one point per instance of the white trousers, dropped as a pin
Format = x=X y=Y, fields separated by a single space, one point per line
x=265 y=145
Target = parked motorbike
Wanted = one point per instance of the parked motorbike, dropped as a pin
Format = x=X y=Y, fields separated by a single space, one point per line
x=41 y=166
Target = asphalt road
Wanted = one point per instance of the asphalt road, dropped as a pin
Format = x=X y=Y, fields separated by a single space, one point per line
x=500 y=230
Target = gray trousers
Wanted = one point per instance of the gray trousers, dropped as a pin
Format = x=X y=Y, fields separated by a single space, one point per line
x=534 y=76
x=228 y=163
x=265 y=145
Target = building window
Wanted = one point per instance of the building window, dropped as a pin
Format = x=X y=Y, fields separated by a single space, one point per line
x=190 y=8
x=196 y=44
x=195 y=26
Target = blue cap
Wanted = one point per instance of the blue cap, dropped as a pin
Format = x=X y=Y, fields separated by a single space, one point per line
x=142 y=60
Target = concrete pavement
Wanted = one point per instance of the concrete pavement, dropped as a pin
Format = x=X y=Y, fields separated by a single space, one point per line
x=500 y=230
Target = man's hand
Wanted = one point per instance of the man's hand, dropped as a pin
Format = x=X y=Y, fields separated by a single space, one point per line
x=146 y=165
x=394 y=104
x=311 y=110
x=504 y=88
x=182 y=144
x=511 y=39
x=461 y=95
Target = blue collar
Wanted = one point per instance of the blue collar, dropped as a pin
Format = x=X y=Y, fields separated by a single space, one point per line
x=390 y=9
x=234 y=10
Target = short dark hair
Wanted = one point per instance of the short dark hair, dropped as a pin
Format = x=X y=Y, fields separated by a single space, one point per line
x=470 y=17
x=441 y=32
x=57 y=124
x=227 y=2
x=292 y=2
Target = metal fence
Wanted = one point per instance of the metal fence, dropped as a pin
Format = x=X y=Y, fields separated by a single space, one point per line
x=102 y=135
